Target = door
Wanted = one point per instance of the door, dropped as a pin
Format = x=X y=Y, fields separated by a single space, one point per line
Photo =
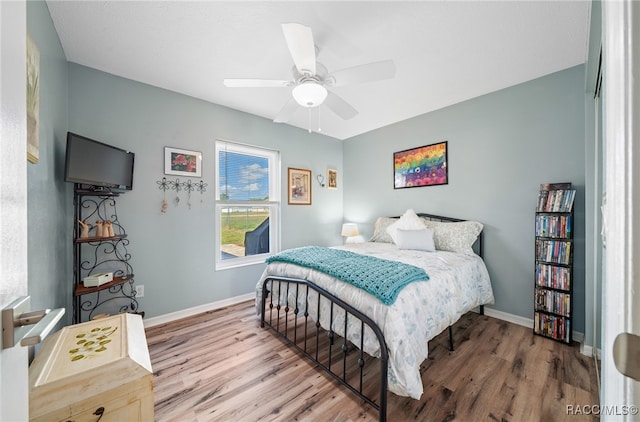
x=14 y=399
x=621 y=287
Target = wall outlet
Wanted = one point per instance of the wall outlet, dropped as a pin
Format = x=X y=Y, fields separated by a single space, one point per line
x=139 y=291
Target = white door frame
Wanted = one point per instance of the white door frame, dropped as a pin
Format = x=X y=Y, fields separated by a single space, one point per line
x=14 y=387
x=621 y=306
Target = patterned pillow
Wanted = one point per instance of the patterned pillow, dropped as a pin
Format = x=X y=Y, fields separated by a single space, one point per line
x=380 y=233
x=455 y=237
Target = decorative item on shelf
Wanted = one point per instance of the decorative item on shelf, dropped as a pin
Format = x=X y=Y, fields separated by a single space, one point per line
x=96 y=280
x=320 y=179
x=84 y=229
x=107 y=229
x=99 y=228
x=351 y=232
x=332 y=175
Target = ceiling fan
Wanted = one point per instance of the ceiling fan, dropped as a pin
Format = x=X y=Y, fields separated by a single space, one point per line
x=311 y=79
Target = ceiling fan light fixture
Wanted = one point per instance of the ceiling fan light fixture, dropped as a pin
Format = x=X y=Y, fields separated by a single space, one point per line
x=309 y=94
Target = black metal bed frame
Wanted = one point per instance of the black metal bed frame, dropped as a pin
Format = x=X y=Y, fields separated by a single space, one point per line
x=294 y=326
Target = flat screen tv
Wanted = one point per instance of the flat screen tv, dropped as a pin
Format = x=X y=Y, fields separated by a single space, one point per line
x=89 y=162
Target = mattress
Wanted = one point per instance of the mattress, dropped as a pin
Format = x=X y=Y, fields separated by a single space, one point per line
x=457 y=284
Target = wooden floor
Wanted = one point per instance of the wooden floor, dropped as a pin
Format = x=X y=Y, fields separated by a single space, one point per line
x=221 y=366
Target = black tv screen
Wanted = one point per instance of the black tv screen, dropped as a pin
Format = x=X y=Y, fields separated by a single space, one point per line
x=94 y=163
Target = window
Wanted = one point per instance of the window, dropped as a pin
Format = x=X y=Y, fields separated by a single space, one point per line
x=247 y=204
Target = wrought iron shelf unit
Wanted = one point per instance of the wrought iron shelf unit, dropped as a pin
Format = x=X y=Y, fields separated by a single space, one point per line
x=94 y=253
x=554 y=247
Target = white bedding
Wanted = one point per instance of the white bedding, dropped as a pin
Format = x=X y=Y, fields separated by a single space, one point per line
x=423 y=309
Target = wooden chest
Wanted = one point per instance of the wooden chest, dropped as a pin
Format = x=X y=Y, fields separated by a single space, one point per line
x=97 y=368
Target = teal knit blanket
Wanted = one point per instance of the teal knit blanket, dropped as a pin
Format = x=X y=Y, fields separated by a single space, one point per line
x=382 y=278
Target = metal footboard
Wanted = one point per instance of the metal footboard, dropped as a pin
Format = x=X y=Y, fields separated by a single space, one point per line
x=325 y=338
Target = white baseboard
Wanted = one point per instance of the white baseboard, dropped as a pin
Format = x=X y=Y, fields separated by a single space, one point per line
x=525 y=322
x=163 y=319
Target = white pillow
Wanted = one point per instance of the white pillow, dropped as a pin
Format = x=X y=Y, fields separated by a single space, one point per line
x=408 y=221
x=419 y=240
x=455 y=237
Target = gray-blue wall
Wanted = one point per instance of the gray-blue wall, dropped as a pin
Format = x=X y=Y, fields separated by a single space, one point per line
x=501 y=147
x=173 y=253
x=50 y=210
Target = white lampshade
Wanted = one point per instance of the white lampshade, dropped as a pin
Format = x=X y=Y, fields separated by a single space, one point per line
x=309 y=94
x=350 y=229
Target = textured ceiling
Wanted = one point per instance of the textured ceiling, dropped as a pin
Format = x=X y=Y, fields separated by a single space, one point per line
x=445 y=51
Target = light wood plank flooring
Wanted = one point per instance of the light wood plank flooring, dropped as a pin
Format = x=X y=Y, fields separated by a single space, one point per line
x=221 y=366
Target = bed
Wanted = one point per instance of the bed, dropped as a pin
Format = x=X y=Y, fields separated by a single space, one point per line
x=367 y=345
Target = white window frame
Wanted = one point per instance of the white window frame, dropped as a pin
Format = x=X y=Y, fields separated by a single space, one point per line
x=274 y=203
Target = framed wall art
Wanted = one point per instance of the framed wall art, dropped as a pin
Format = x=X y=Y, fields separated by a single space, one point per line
x=33 y=101
x=332 y=179
x=422 y=166
x=299 y=183
x=182 y=162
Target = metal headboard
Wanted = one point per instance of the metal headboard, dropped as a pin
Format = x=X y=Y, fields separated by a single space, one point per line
x=477 y=245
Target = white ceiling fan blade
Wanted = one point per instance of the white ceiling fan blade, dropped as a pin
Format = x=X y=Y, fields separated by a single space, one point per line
x=300 y=42
x=339 y=106
x=256 y=83
x=369 y=72
x=286 y=112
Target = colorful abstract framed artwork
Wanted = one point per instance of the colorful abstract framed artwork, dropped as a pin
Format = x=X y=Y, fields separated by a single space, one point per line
x=182 y=162
x=299 y=186
x=422 y=166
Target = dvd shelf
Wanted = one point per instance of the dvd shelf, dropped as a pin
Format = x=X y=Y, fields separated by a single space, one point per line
x=554 y=261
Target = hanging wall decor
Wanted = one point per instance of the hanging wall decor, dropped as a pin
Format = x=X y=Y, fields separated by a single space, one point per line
x=33 y=101
x=164 y=185
x=182 y=162
x=299 y=182
x=332 y=177
x=188 y=187
x=176 y=186
x=422 y=166
x=201 y=187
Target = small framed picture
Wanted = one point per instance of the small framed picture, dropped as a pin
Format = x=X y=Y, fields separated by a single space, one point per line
x=332 y=179
x=299 y=182
x=182 y=162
